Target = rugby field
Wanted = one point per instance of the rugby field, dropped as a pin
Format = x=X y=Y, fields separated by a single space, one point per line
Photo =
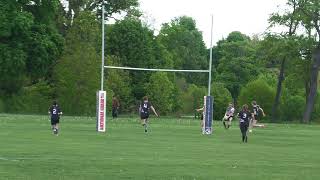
x=174 y=149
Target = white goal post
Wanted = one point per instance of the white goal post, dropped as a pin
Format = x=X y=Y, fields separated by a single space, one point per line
x=101 y=95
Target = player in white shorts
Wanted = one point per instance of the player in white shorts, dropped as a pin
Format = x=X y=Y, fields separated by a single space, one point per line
x=228 y=116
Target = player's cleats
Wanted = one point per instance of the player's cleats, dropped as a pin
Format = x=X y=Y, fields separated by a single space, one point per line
x=55 y=131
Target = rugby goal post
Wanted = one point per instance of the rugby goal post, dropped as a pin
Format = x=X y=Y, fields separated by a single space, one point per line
x=101 y=95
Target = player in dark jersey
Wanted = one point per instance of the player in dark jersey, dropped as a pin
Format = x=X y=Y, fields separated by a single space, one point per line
x=144 y=110
x=244 y=118
x=257 y=111
x=55 y=113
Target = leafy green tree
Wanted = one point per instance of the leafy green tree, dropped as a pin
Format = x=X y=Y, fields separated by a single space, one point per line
x=14 y=29
x=284 y=49
x=281 y=55
x=47 y=44
x=237 y=64
x=309 y=18
x=44 y=11
x=21 y=29
x=111 y=7
x=133 y=43
x=77 y=72
x=185 y=43
x=160 y=91
x=306 y=17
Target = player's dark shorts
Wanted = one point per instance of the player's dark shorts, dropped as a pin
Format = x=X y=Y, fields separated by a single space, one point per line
x=55 y=120
x=244 y=127
x=144 y=116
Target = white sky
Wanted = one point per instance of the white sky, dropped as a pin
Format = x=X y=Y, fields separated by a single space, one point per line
x=247 y=16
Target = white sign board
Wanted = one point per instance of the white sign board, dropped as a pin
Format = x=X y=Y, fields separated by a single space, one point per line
x=101 y=111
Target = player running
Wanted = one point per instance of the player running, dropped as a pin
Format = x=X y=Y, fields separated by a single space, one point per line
x=256 y=113
x=55 y=113
x=244 y=116
x=144 y=108
x=228 y=116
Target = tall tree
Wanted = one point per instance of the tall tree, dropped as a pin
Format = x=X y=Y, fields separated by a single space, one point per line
x=22 y=28
x=160 y=90
x=184 y=41
x=290 y=20
x=134 y=44
x=280 y=52
x=237 y=64
x=111 y=7
x=77 y=73
x=310 y=18
x=14 y=29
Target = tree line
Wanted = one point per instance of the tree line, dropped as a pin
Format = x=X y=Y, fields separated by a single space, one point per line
x=48 y=51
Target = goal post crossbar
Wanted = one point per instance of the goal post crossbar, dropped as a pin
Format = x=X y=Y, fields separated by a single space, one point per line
x=163 y=70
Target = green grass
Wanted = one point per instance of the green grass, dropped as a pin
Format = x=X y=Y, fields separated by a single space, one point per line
x=173 y=150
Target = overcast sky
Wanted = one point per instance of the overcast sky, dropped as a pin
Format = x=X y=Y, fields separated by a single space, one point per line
x=247 y=16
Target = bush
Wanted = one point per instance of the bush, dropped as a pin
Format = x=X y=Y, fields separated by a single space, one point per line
x=34 y=99
x=271 y=78
x=292 y=108
x=259 y=91
x=221 y=98
x=192 y=99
